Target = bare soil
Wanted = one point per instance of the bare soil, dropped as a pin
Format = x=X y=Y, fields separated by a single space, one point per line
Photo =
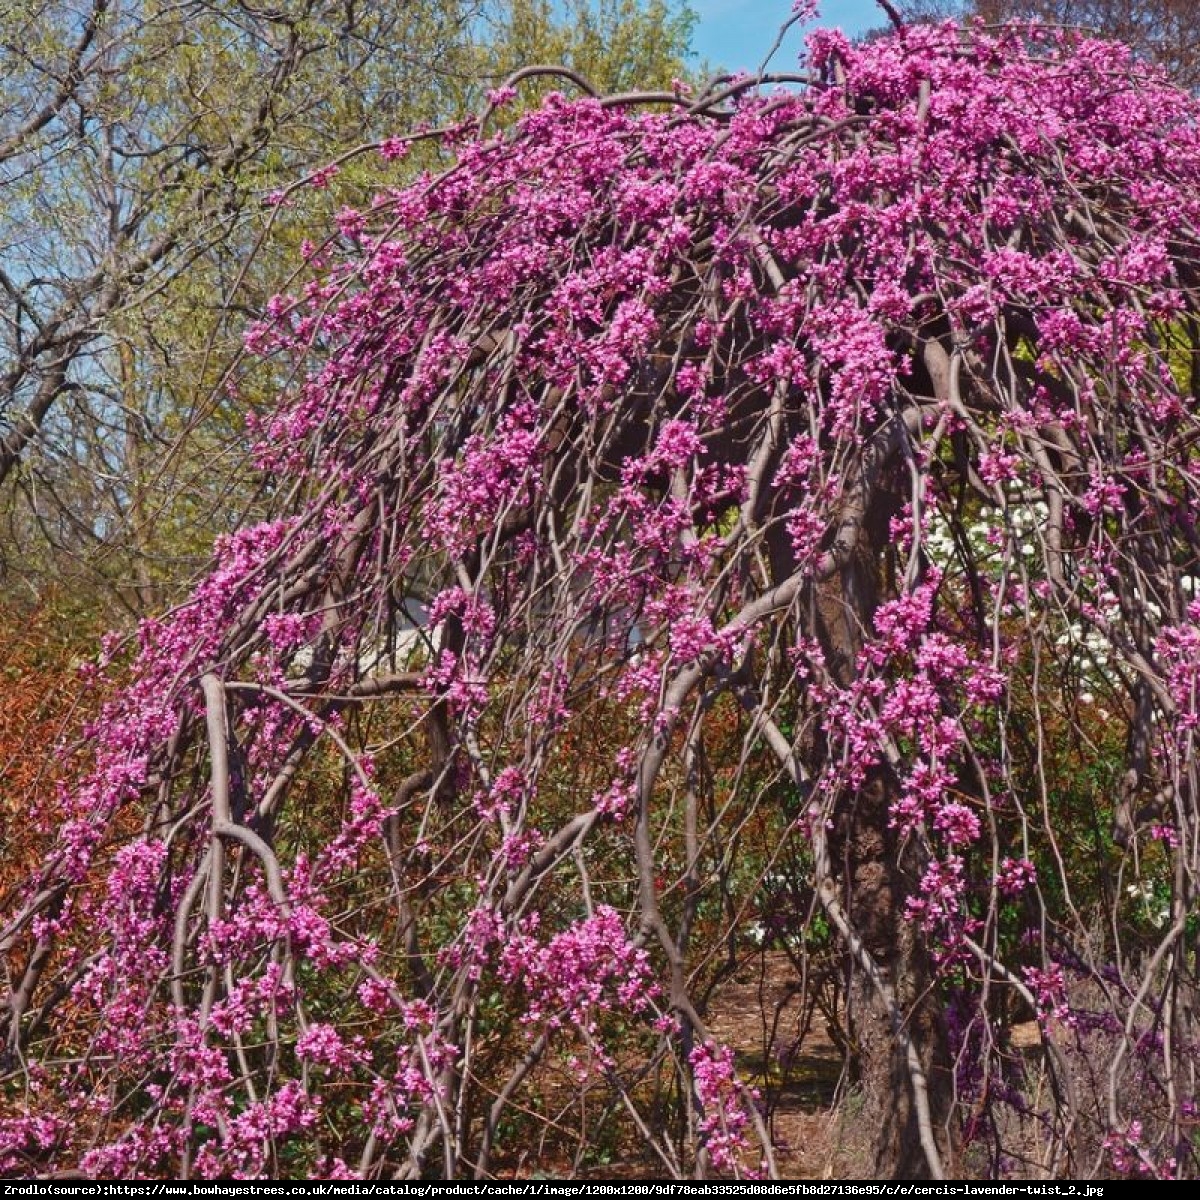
x=788 y=1053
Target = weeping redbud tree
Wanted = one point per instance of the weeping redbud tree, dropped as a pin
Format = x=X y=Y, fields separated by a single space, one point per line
x=676 y=495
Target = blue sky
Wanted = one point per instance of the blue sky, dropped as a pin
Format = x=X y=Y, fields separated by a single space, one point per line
x=737 y=33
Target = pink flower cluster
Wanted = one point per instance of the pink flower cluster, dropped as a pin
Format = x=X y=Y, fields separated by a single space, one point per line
x=578 y=974
x=725 y=1104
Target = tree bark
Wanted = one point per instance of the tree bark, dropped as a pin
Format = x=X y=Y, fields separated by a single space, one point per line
x=878 y=877
x=894 y=1015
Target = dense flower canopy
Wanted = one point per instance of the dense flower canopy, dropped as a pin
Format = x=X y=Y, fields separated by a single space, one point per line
x=674 y=490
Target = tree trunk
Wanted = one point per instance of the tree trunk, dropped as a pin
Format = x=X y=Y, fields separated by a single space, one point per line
x=875 y=872
x=875 y=885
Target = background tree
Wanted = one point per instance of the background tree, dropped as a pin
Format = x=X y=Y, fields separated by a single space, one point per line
x=618 y=45
x=821 y=462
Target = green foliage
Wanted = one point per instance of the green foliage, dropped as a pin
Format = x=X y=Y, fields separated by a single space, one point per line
x=617 y=45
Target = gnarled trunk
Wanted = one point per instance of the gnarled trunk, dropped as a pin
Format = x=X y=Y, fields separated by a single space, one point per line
x=896 y=1021
x=878 y=877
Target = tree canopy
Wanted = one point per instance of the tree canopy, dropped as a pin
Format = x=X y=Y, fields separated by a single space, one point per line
x=764 y=511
